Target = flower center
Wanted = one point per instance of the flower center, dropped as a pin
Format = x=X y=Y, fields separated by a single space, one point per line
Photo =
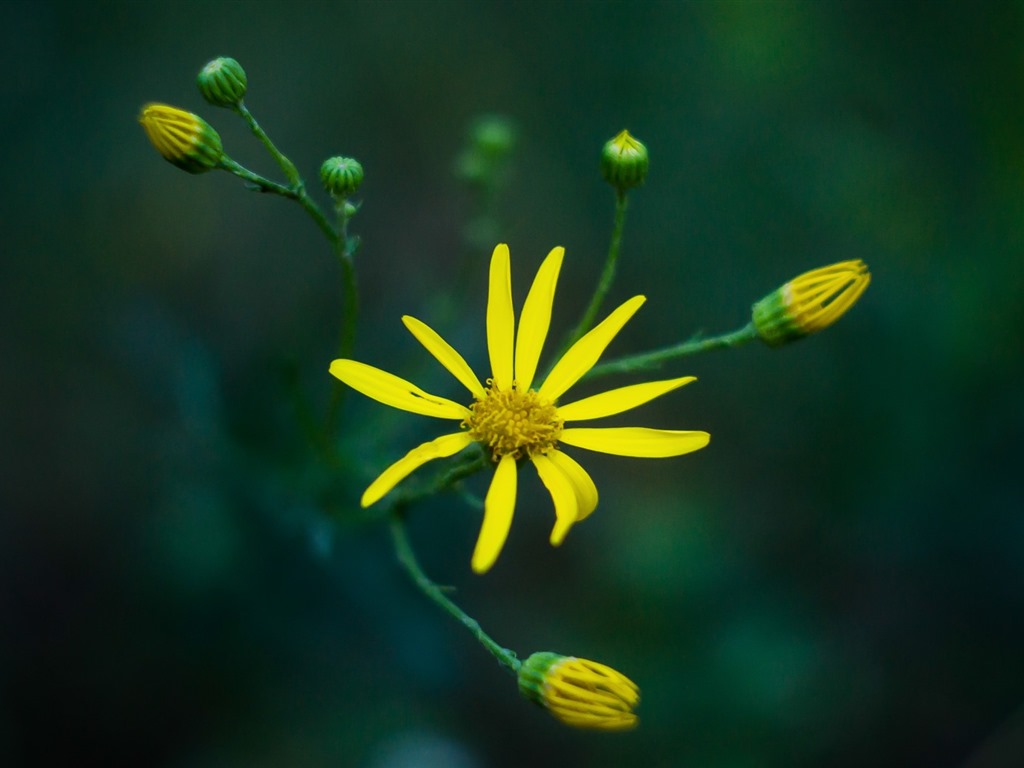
x=511 y=422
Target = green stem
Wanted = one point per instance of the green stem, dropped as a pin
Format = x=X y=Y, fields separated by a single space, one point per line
x=648 y=360
x=607 y=274
x=407 y=557
x=290 y=171
x=292 y=193
x=345 y=248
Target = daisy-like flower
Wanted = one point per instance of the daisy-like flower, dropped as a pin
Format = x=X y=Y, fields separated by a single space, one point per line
x=515 y=421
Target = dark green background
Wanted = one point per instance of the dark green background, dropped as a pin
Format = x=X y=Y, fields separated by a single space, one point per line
x=838 y=580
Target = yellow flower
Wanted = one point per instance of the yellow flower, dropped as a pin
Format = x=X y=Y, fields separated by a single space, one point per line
x=810 y=302
x=513 y=420
x=184 y=139
x=580 y=692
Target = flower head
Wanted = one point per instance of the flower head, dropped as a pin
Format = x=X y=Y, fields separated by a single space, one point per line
x=580 y=692
x=184 y=139
x=515 y=421
x=222 y=82
x=624 y=162
x=811 y=302
x=341 y=176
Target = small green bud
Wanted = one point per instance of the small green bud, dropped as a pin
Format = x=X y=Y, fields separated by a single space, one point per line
x=493 y=135
x=222 y=82
x=489 y=144
x=341 y=176
x=624 y=162
x=184 y=139
x=810 y=302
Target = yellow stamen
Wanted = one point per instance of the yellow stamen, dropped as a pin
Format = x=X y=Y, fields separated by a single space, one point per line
x=511 y=422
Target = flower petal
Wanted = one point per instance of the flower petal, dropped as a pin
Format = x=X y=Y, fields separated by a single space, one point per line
x=563 y=494
x=446 y=445
x=584 y=353
x=394 y=391
x=445 y=354
x=536 y=318
x=498 y=508
x=586 y=491
x=636 y=441
x=618 y=400
x=500 y=318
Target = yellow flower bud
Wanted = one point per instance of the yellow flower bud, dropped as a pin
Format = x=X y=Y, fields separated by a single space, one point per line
x=184 y=139
x=624 y=162
x=580 y=693
x=811 y=302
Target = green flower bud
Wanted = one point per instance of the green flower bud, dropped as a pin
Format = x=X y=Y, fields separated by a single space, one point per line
x=810 y=302
x=624 y=162
x=580 y=692
x=493 y=136
x=184 y=139
x=222 y=82
x=341 y=176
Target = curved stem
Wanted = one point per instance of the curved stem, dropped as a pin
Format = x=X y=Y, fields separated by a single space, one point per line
x=649 y=360
x=607 y=274
x=292 y=193
x=290 y=171
x=407 y=558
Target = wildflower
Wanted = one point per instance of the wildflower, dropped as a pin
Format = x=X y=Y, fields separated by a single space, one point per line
x=811 y=302
x=513 y=420
x=579 y=692
x=624 y=162
x=184 y=139
x=222 y=82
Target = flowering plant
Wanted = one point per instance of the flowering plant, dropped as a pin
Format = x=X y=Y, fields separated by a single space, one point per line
x=516 y=415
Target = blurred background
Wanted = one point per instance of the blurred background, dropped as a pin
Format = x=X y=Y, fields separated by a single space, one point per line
x=837 y=580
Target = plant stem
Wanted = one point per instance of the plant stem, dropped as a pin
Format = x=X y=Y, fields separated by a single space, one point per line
x=607 y=274
x=290 y=171
x=407 y=558
x=345 y=248
x=292 y=193
x=648 y=360
x=298 y=188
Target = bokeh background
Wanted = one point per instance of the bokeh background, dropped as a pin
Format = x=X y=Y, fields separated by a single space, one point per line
x=838 y=580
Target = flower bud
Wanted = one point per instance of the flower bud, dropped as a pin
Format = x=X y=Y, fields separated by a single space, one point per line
x=493 y=136
x=624 y=162
x=580 y=693
x=222 y=82
x=341 y=176
x=184 y=139
x=810 y=303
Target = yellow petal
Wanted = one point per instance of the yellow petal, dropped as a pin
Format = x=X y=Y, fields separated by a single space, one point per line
x=586 y=491
x=445 y=354
x=500 y=318
x=584 y=353
x=498 y=508
x=446 y=445
x=618 y=400
x=536 y=318
x=394 y=391
x=636 y=441
x=563 y=494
